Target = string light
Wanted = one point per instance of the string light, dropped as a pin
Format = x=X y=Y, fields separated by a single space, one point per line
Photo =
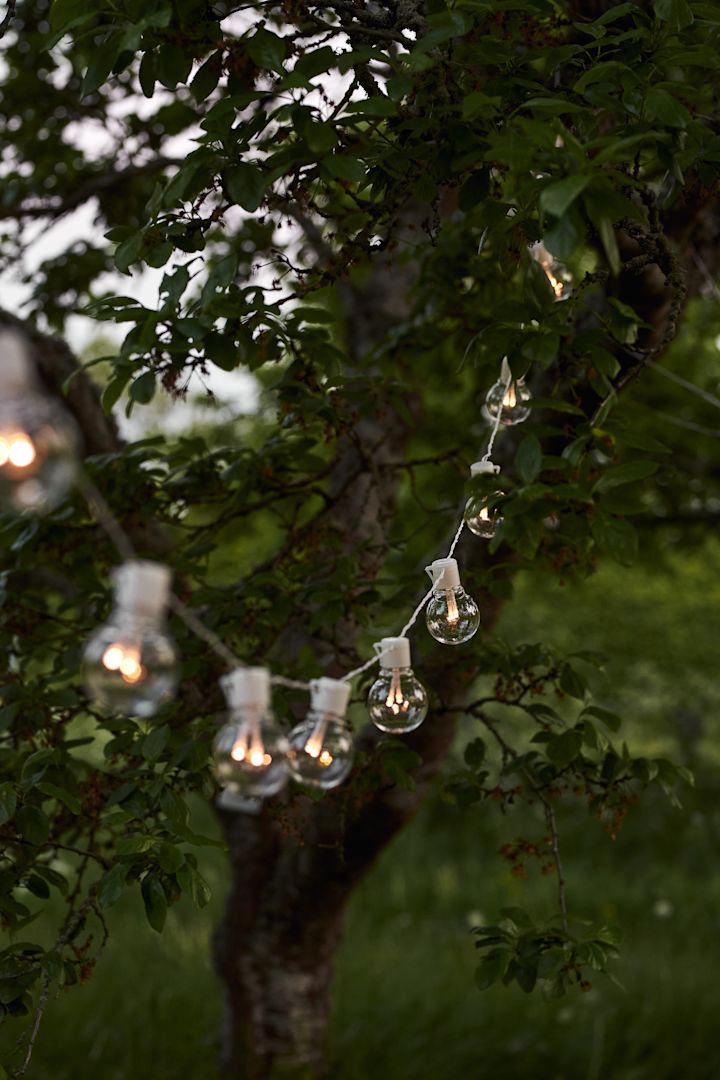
x=397 y=701
x=482 y=516
x=38 y=440
x=451 y=615
x=321 y=750
x=130 y=662
x=507 y=399
x=249 y=752
x=557 y=273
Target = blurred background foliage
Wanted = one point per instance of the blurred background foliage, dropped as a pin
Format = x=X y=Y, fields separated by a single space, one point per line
x=402 y=1010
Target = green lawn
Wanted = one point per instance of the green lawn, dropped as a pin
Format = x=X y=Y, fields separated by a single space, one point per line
x=405 y=1005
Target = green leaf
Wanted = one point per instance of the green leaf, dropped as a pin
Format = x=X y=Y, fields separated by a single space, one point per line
x=627 y=473
x=128 y=252
x=113 y=885
x=572 y=683
x=266 y=49
x=529 y=458
x=207 y=77
x=142 y=389
x=192 y=883
x=676 y=12
x=173 y=65
x=99 y=68
x=153 y=895
x=491 y=970
x=65 y=12
x=595 y=206
x=557 y=198
x=475 y=753
x=113 y=390
x=610 y=719
x=155 y=742
x=146 y=74
x=8 y=803
x=665 y=107
x=246 y=186
x=33 y=824
x=65 y=797
x=565 y=235
x=564 y=748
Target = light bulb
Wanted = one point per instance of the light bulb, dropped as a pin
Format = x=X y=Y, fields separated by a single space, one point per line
x=130 y=662
x=508 y=397
x=249 y=751
x=558 y=275
x=482 y=516
x=38 y=440
x=397 y=702
x=321 y=750
x=451 y=615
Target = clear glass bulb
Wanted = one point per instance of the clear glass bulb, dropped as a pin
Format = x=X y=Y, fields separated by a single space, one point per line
x=130 y=664
x=510 y=401
x=38 y=453
x=482 y=516
x=397 y=702
x=321 y=750
x=452 y=616
x=249 y=753
x=557 y=273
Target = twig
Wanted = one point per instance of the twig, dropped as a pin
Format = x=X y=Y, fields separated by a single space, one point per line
x=9 y=16
x=555 y=845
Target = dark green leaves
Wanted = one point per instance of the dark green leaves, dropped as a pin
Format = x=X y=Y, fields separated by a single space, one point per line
x=32 y=824
x=627 y=473
x=266 y=49
x=155 y=901
x=246 y=185
x=8 y=803
x=557 y=198
x=529 y=458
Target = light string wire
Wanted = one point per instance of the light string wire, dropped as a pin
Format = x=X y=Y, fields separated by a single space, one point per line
x=122 y=543
x=507 y=373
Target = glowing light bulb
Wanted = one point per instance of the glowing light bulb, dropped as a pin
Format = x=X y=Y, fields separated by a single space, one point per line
x=38 y=440
x=451 y=615
x=321 y=750
x=249 y=752
x=397 y=702
x=509 y=397
x=557 y=273
x=481 y=514
x=130 y=663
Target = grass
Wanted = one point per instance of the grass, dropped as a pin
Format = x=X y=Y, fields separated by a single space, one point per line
x=405 y=1007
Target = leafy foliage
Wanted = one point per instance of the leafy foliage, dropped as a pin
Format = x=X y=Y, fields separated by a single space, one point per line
x=319 y=142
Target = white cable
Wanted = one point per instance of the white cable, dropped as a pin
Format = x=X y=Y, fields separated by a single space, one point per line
x=123 y=544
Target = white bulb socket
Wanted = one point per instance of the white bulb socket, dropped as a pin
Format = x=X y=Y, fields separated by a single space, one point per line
x=330 y=695
x=249 y=686
x=444 y=574
x=484 y=468
x=16 y=369
x=142 y=587
x=393 y=652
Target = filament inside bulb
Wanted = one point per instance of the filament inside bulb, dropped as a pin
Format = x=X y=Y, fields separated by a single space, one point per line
x=452 y=609
x=17 y=450
x=124 y=660
x=510 y=399
x=396 y=700
x=314 y=747
x=249 y=746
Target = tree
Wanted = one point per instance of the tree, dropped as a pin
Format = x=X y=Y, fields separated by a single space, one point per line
x=352 y=225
